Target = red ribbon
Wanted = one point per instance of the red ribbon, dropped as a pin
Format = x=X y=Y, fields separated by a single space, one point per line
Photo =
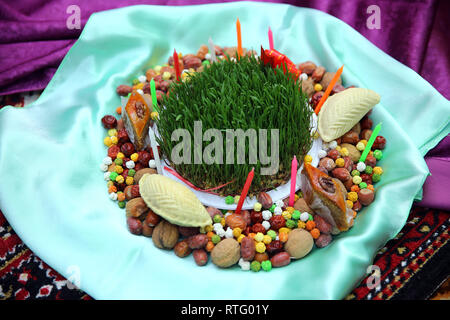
x=275 y=59
x=176 y=174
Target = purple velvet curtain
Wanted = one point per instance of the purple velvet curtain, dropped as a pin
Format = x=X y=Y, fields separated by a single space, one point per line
x=34 y=38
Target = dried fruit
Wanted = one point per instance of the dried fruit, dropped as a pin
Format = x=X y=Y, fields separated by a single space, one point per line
x=318 y=74
x=136 y=207
x=134 y=225
x=299 y=243
x=200 y=257
x=265 y=199
x=366 y=196
x=341 y=174
x=322 y=225
x=307 y=67
x=188 y=231
x=226 y=253
x=198 y=241
x=247 y=248
x=165 y=235
x=139 y=173
x=124 y=90
x=281 y=259
x=152 y=219
x=301 y=206
x=235 y=221
x=182 y=249
x=350 y=137
x=323 y=240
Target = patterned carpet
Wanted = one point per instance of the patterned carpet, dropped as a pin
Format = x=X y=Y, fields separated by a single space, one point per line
x=414 y=265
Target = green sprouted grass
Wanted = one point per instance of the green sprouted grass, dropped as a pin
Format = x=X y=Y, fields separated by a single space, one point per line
x=238 y=95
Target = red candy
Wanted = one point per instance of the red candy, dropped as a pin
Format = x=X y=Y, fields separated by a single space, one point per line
x=144 y=157
x=258 y=227
x=122 y=136
x=277 y=222
x=109 y=122
x=113 y=151
x=274 y=247
x=127 y=149
x=256 y=217
x=379 y=143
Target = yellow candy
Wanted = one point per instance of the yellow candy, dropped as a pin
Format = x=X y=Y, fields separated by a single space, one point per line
x=118 y=169
x=109 y=183
x=307 y=159
x=284 y=229
x=180 y=55
x=191 y=70
x=236 y=199
x=357 y=180
x=202 y=230
x=257 y=207
x=340 y=162
x=120 y=155
x=290 y=210
x=134 y=157
x=301 y=224
x=360 y=146
x=338 y=148
x=120 y=179
x=349 y=203
x=363 y=141
x=286 y=215
x=316 y=135
x=296 y=197
x=129 y=181
x=112 y=132
x=318 y=87
x=237 y=232
x=114 y=140
x=157 y=69
x=260 y=247
x=259 y=237
x=107 y=141
x=352 y=196
x=154 y=115
x=222 y=222
x=344 y=152
x=209 y=228
x=166 y=75
x=184 y=76
x=377 y=170
x=267 y=239
x=140 y=85
x=239 y=239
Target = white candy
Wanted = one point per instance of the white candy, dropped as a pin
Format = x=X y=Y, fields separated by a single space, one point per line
x=233 y=59
x=229 y=233
x=266 y=224
x=303 y=76
x=142 y=78
x=266 y=214
x=106 y=176
x=184 y=71
x=279 y=203
x=107 y=161
x=217 y=227
x=245 y=265
x=332 y=144
x=152 y=163
x=104 y=167
x=208 y=56
x=361 y=166
x=140 y=92
x=277 y=238
x=325 y=146
x=113 y=196
x=129 y=164
x=277 y=211
x=322 y=154
x=304 y=216
x=221 y=233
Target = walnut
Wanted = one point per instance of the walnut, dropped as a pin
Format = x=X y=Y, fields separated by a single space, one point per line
x=165 y=235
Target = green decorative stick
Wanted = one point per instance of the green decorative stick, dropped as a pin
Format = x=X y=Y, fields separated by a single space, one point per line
x=153 y=94
x=370 y=142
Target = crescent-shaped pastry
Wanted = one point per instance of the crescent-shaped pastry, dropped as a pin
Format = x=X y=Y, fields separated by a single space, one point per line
x=173 y=201
x=343 y=110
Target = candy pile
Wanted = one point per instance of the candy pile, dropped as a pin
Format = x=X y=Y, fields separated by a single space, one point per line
x=273 y=233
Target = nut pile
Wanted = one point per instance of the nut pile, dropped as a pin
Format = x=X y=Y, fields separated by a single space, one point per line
x=273 y=233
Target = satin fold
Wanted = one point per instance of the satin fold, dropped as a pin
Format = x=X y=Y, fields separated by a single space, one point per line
x=57 y=201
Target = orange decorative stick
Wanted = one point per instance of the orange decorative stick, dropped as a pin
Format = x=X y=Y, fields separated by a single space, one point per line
x=329 y=88
x=239 y=39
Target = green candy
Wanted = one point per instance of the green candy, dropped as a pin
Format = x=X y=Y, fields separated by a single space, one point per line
x=296 y=215
x=131 y=172
x=272 y=234
x=266 y=265
x=215 y=239
x=368 y=170
x=355 y=173
x=118 y=161
x=113 y=176
x=272 y=208
x=255 y=266
x=229 y=199
x=291 y=224
x=376 y=177
x=135 y=81
x=363 y=185
x=217 y=218
x=378 y=154
x=121 y=204
x=310 y=218
x=206 y=62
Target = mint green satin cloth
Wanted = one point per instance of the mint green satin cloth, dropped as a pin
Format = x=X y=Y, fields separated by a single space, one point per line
x=54 y=196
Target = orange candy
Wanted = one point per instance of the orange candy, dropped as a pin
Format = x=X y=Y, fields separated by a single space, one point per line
x=121 y=196
x=252 y=235
x=354 y=188
x=283 y=236
x=370 y=187
x=315 y=233
x=112 y=189
x=209 y=246
x=310 y=224
x=119 y=110
x=210 y=234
